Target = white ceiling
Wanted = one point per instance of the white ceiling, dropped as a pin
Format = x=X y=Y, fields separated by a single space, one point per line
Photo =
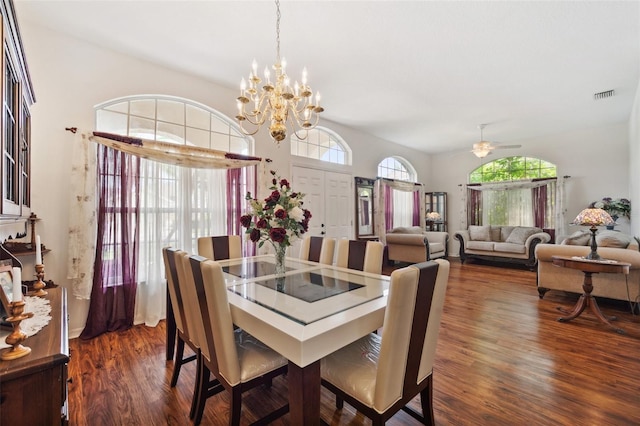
x=420 y=73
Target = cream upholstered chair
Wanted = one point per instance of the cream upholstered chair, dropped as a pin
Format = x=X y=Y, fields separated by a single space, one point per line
x=221 y=247
x=379 y=375
x=175 y=296
x=238 y=360
x=192 y=320
x=361 y=255
x=318 y=249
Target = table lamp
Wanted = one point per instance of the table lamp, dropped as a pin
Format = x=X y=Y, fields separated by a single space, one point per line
x=593 y=218
x=433 y=216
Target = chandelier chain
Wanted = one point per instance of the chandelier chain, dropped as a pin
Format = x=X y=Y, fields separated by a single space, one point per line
x=278 y=30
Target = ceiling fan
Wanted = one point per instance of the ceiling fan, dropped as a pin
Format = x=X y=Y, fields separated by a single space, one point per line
x=483 y=148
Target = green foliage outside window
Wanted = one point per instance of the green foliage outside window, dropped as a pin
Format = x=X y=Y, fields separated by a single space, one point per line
x=512 y=169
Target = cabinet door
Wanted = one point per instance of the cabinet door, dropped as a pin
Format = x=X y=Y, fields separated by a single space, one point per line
x=436 y=202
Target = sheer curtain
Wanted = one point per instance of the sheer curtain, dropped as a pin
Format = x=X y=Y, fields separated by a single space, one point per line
x=115 y=275
x=178 y=205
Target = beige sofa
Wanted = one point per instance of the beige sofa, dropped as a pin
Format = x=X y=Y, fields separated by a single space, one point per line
x=414 y=245
x=513 y=244
x=613 y=286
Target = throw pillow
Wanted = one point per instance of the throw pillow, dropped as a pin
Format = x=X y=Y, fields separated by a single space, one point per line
x=505 y=231
x=519 y=234
x=494 y=231
x=578 y=238
x=612 y=239
x=479 y=233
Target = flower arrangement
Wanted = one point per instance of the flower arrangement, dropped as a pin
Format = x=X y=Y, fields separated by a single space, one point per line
x=615 y=207
x=433 y=216
x=279 y=219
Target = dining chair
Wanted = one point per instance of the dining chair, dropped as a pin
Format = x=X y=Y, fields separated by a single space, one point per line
x=318 y=249
x=220 y=247
x=238 y=361
x=189 y=327
x=379 y=375
x=361 y=255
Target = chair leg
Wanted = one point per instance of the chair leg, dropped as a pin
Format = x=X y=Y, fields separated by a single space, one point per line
x=426 y=401
x=197 y=385
x=236 y=406
x=177 y=364
x=339 y=402
x=201 y=393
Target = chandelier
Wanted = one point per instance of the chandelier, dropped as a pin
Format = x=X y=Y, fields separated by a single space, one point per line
x=278 y=101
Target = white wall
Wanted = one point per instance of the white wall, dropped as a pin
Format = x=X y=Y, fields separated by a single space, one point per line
x=634 y=163
x=70 y=76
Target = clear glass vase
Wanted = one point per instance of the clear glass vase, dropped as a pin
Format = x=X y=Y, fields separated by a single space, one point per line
x=281 y=250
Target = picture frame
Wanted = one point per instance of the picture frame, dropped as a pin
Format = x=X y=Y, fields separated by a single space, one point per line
x=6 y=289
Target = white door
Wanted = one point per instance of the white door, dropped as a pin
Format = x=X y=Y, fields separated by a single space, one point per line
x=328 y=196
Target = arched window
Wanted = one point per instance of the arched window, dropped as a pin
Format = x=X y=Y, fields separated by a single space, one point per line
x=397 y=168
x=322 y=144
x=512 y=169
x=514 y=191
x=177 y=204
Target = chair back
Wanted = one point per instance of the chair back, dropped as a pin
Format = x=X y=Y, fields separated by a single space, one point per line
x=190 y=301
x=216 y=315
x=361 y=255
x=318 y=249
x=410 y=330
x=169 y=255
x=220 y=248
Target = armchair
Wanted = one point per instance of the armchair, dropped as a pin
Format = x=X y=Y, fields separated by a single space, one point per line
x=414 y=245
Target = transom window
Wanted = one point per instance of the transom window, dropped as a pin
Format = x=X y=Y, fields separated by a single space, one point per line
x=322 y=144
x=170 y=119
x=513 y=169
x=397 y=168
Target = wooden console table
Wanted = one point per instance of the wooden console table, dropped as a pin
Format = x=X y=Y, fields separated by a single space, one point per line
x=33 y=389
x=589 y=267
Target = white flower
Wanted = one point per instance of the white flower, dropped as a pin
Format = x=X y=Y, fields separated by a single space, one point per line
x=599 y=205
x=296 y=214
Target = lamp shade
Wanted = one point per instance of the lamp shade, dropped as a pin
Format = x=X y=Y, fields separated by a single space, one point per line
x=433 y=216
x=593 y=217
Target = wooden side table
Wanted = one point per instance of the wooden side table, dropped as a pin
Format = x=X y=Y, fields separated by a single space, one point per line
x=589 y=267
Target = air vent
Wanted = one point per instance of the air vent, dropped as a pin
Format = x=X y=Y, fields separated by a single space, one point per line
x=603 y=95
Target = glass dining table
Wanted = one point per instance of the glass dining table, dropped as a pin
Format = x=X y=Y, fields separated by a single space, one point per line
x=310 y=312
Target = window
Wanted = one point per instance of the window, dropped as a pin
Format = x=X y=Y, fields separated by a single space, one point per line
x=177 y=204
x=512 y=169
x=519 y=191
x=398 y=169
x=322 y=144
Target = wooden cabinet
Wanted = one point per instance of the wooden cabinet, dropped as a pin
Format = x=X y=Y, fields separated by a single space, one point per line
x=436 y=202
x=15 y=135
x=33 y=389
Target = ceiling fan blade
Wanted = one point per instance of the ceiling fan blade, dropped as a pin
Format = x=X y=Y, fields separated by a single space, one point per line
x=497 y=146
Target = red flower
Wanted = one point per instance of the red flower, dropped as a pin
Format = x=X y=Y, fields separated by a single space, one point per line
x=262 y=223
x=284 y=182
x=281 y=214
x=307 y=214
x=255 y=235
x=245 y=220
x=278 y=234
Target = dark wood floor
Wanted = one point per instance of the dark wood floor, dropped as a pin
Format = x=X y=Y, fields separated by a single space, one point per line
x=502 y=359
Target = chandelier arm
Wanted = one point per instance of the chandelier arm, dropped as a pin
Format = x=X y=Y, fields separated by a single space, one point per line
x=246 y=132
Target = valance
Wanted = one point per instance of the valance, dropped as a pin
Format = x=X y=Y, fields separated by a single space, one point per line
x=173 y=153
x=502 y=186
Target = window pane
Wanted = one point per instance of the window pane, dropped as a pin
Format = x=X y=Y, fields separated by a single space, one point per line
x=219 y=126
x=198 y=137
x=197 y=117
x=144 y=108
x=171 y=111
x=142 y=127
x=113 y=121
x=170 y=132
x=122 y=107
x=220 y=142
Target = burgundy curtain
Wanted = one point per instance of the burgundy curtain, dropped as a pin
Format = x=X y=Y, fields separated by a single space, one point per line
x=239 y=182
x=114 y=278
x=416 y=209
x=474 y=207
x=388 y=207
x=539 y=195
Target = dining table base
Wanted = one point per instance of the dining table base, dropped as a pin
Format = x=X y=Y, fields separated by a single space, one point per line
x=304 y=394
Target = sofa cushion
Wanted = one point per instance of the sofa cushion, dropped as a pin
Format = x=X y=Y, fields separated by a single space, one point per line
x=407 y=230
x=520 y=234
x=436 y=247
x=480 y=245
x=479 y=233
x=510 y=248
x=495 y=232
x=578 y=238
x=505 y=231
x=612 y=239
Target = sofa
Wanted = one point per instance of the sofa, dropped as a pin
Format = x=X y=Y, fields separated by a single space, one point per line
x=413 y=244
x=513 y=244
x=612 y=245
